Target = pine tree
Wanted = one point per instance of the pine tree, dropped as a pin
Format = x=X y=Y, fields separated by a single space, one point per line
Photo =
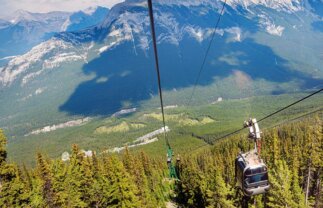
x=122 y=192
x=135 y=168
x=317 y=159
x=275 y=152
x=3 y=151
x=36 y=198
x=44 y=172
x=13 y=191
x=280 y=194
x=297 y=192
x=193 y=185
x=313 y=153
x=74 y=180
x=154 y=172
x=218 y=196
x=59 y=174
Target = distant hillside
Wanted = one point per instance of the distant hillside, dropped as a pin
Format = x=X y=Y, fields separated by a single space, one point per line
x=23 y=30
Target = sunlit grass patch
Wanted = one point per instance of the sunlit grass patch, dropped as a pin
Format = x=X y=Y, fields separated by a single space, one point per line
x=122 y=127
x=180 y=119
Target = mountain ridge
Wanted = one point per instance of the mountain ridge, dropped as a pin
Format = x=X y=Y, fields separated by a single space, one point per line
x=25 y=30
x=88 y=35
x=107 y=67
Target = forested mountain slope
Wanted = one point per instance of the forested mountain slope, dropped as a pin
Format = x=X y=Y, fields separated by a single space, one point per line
x=293 y=153
x=265 y=47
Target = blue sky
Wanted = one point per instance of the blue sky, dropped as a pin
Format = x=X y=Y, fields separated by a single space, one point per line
x=7 y=7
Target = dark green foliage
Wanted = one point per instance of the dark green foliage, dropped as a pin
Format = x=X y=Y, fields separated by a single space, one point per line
x=3 y=151
x=293 y=153
x=107 y=181
x=13 y=189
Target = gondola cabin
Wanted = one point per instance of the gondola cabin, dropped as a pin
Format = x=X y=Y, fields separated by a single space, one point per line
x=251 y=174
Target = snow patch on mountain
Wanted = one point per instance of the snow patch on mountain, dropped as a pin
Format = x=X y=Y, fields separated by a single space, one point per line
x=22 y=15
x=90 y=10
x=198 y=33
x=7 y=58
x=115 y=37
x=102 y=49
x=31 y=76
x=269 y=26
x=131 y=25
x=66 y=24
x=134 y=26
x=236 y=34
x=144 y=42
x=173 y=33
x=21 y=63
x=280 y=5
x=142 y=3
x=39 y=91
x=288 y=6
x=275 y=30
x=91 y=45
x=124 y=29
x=26 y=97
x=191 y=3
x=60 y=58
x=185 y=3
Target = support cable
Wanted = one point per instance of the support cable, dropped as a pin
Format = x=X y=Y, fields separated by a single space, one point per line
x=294 y=119
x=290 y=105
x=264 y=118
x=153 y=34
x=206 y=53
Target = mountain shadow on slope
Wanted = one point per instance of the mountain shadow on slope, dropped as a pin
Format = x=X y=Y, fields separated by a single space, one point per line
x=125 y=76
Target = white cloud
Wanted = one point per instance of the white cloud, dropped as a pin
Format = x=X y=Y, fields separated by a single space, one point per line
x=10 y=6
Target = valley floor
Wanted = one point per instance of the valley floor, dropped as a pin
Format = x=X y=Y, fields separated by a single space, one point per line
x=189 y=125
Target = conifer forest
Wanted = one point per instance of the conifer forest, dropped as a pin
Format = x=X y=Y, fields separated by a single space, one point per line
x=293 y=153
